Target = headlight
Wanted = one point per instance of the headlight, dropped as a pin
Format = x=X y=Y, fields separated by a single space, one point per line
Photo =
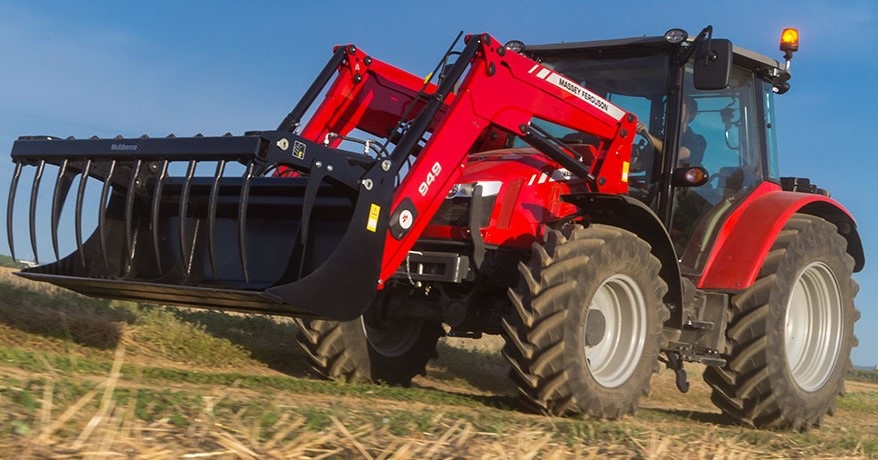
x=516 y=46
x=676 y=36
x=489 y=188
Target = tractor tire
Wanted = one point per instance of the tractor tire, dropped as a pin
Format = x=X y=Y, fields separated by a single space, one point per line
x=586 y=328
x=362 y=350
x=790 y=334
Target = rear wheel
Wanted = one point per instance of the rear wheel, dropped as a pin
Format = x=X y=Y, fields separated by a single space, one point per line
x=586 y=327
x=371 y=348
x=791 y=333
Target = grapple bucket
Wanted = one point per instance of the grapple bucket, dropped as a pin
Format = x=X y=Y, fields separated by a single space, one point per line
x=309 y=245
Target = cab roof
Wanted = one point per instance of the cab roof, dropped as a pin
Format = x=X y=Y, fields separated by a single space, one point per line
x=619 y=47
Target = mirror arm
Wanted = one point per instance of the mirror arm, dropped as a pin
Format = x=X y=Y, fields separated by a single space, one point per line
x=687 y=52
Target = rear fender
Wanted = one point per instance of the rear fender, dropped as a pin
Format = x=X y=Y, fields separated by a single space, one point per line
x=746 y=237
x=632 y=215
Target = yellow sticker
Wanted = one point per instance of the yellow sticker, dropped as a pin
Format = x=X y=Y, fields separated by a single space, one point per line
x=374 y=212
x=625 y=167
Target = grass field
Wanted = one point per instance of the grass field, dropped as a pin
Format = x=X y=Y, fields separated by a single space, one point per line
x=88 y=378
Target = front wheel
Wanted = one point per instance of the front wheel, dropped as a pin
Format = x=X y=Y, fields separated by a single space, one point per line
x=791 y=333
x=586 y=327
x=371 y=348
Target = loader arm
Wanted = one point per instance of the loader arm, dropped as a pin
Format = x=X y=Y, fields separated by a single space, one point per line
x=497 y=89
x=370 y=95
x=504 y=90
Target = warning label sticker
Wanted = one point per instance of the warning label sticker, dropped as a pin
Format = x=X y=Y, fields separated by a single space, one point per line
x=299 y=149
x=374 y=212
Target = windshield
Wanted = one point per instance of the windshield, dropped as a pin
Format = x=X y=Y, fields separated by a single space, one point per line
x=637 y=84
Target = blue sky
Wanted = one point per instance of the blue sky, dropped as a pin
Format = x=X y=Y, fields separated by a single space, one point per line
x=111 y=67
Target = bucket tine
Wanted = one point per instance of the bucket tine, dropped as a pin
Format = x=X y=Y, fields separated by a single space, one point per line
x=184 y=203
x=156 y=204
x=57 y=203
x=33 y=210
x=314 y=180
x=13 y=187
x=242 y=220
x=129 y=209
x=80 y=194
x=102 y=213
x=211 y=213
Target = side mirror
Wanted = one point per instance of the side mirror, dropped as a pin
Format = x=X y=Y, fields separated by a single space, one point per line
x=690 y=176
x=713 y=63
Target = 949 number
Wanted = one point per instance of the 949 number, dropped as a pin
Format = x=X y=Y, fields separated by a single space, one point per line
x=435 y=170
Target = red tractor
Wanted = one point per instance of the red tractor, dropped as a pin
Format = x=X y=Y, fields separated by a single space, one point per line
x=605 y=206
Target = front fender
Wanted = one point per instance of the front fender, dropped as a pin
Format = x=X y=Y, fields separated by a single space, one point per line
x=632 y=215
x=748 y=234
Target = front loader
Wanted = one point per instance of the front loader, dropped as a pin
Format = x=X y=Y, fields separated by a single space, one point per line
x=515 y=196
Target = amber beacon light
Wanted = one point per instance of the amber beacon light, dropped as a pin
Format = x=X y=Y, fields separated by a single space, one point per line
x=789 y=42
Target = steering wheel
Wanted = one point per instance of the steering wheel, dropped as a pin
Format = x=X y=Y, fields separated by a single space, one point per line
x=643 y=151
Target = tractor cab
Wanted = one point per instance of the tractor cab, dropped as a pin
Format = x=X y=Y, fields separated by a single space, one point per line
x=706 y=136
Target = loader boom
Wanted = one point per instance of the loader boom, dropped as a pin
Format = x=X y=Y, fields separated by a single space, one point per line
x=483 y=103
x=373 y=96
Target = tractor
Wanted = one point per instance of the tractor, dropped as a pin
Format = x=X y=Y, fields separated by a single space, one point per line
x=604 y=206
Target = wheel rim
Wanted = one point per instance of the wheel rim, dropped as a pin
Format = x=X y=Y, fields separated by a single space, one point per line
x=813 y=326
x=393 y=338
x=614 y=358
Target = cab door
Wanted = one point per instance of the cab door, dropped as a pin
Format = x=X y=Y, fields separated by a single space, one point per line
x=733 y=125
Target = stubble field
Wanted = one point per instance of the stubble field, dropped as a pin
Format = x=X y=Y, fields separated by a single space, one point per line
x=85 y=378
